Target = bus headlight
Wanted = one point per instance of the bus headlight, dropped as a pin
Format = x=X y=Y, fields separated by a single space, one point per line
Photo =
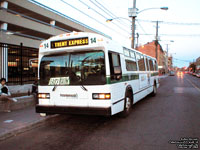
x=101 y=95
x=44 y=96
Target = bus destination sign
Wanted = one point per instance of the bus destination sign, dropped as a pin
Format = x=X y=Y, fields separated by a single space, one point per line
x=69 y=43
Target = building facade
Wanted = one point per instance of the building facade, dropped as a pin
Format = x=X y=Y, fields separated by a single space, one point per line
x=150 y=49
x=23 y=25
x=170 y=62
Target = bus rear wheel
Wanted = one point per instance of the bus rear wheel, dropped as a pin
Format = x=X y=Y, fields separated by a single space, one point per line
x=127 y=105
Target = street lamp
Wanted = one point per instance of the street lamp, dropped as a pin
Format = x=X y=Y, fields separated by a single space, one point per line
x=111 y=19
x=167 y=52
x=162 y=8
x=133 y=12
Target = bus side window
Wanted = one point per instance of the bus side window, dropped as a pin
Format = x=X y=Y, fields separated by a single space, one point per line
x=151 y=65
x=155 y=66
x=137 y=60
x=141 y=62
x=131 y=65
x=147 y=63
x=115 y=66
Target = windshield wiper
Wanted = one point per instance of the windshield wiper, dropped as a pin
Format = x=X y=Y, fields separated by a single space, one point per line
x=54 y=88
x=82 y=86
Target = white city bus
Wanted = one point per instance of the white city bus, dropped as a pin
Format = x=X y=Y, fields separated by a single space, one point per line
x=86 y=73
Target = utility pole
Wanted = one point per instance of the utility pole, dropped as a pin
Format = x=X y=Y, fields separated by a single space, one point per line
x=167 y=59
x=133 y=25
x=156 y=41
x=137 y=40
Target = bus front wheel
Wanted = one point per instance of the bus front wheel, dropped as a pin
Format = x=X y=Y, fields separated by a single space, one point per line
x=154 y=90
x=127 y=105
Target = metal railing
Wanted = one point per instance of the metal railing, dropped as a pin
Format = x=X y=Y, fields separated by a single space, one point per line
x=19 y=70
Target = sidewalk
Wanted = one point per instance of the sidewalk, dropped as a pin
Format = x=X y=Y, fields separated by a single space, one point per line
x=19 y=121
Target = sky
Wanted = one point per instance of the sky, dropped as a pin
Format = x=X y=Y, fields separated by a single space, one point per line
x=180 y=23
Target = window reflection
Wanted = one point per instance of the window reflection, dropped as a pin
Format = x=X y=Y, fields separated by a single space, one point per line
x=73 y=69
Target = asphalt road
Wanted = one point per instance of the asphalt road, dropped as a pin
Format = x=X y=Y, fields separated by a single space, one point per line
x=154 y=121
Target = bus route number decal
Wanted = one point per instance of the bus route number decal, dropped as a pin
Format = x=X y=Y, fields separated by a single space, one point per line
x=46 y=45
x=93 y=40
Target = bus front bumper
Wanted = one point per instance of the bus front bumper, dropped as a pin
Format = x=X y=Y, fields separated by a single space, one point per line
x=73 y=110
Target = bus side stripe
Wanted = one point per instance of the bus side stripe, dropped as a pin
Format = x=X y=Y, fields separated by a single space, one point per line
x=118 y=101
x=126 y=77
x=142 y=90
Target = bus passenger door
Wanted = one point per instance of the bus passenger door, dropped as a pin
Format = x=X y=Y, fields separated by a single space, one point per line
x=148 y=72
x=143 y=80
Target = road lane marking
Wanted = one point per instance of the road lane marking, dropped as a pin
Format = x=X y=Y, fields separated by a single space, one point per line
x=193 y=85
x=8 y=121
x=180 y=90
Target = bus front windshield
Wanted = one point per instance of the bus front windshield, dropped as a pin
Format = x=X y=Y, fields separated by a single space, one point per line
x=85 y=68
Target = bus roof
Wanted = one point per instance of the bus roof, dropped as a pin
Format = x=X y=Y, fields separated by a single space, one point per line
x=74 y=40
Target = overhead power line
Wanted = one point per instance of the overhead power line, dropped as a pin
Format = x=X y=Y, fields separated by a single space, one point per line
x=182 y=60
x=142 y=29
x=171 y=23
x=93 y=9
x=190 y=35
x=178 y=23
x=89 y=7
x=93 y=18
x=108 y=12
x=105 y=9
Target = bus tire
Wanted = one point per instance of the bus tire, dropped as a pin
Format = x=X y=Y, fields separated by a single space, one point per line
x=127 y=105
x=154 y=90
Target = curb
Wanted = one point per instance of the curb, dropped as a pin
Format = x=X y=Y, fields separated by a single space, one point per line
x=30 y=126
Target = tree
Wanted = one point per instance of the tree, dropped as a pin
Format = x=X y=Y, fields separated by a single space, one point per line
x=192 y=67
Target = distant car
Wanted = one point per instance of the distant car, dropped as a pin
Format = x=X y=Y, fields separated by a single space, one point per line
x=179 y=73
x=171 y=73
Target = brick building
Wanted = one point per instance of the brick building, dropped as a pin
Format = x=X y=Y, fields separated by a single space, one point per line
x=149 y=49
